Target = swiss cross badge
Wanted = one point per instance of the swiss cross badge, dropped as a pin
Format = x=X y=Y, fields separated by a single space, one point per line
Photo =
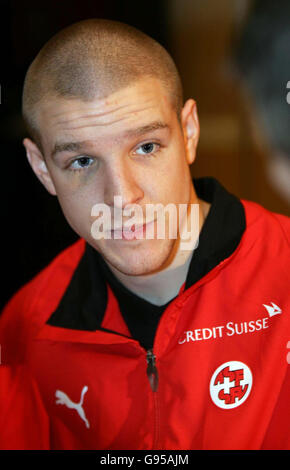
x=230 y=384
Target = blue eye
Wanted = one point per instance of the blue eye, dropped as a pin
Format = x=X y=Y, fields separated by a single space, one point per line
x=81 y=162
x=149 y=147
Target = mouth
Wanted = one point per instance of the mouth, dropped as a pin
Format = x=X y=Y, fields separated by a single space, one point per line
x=134 y=232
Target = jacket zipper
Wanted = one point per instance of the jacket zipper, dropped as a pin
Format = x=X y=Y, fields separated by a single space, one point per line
x=152 y=374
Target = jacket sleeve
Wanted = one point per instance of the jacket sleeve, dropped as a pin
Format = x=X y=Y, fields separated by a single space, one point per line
x=15 y=327
x=24 y=424
x=23 y=419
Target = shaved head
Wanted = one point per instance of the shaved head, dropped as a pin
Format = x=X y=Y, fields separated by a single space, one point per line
x=92 y=59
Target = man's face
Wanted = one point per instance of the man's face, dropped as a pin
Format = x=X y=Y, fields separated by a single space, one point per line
x=129 y=144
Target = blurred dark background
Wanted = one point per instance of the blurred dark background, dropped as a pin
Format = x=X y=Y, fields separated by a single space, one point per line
x=209 y=41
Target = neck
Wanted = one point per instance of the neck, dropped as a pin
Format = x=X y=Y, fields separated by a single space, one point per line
x=162 y=286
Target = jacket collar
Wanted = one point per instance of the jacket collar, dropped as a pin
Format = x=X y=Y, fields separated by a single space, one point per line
x=84 y=302
x=222 y=229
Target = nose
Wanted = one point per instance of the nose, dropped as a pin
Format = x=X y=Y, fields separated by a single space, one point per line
x=120 y=181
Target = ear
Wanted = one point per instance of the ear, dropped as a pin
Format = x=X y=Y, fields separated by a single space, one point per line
x=190 y=125
x=38 y=165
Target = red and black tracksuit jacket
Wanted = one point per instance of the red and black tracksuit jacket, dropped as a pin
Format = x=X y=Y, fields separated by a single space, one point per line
x=208 y=370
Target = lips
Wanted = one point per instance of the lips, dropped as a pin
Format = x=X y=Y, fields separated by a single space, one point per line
x=134 y=232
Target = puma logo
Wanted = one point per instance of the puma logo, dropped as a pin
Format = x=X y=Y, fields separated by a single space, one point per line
x=63 y=399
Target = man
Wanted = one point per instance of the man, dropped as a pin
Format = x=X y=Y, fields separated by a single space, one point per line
x=138 y=342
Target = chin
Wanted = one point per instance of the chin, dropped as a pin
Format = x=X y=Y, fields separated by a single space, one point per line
x=142 y=260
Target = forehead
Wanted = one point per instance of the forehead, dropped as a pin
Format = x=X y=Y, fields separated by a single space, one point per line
x=138 y=104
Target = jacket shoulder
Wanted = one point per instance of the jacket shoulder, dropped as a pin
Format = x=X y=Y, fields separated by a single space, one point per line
x=267 y=224
x=28 y=308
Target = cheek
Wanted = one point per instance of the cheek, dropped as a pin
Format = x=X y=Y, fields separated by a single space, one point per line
x=174 y=180
x=77 y=207
x=77 y=190
x=77 y=193
x=75 y=212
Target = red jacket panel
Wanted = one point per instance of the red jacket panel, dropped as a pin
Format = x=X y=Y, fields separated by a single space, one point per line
x=24 y=423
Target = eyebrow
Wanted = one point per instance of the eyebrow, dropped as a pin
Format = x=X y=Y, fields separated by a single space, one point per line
x=79 y=146
x=153 y=126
